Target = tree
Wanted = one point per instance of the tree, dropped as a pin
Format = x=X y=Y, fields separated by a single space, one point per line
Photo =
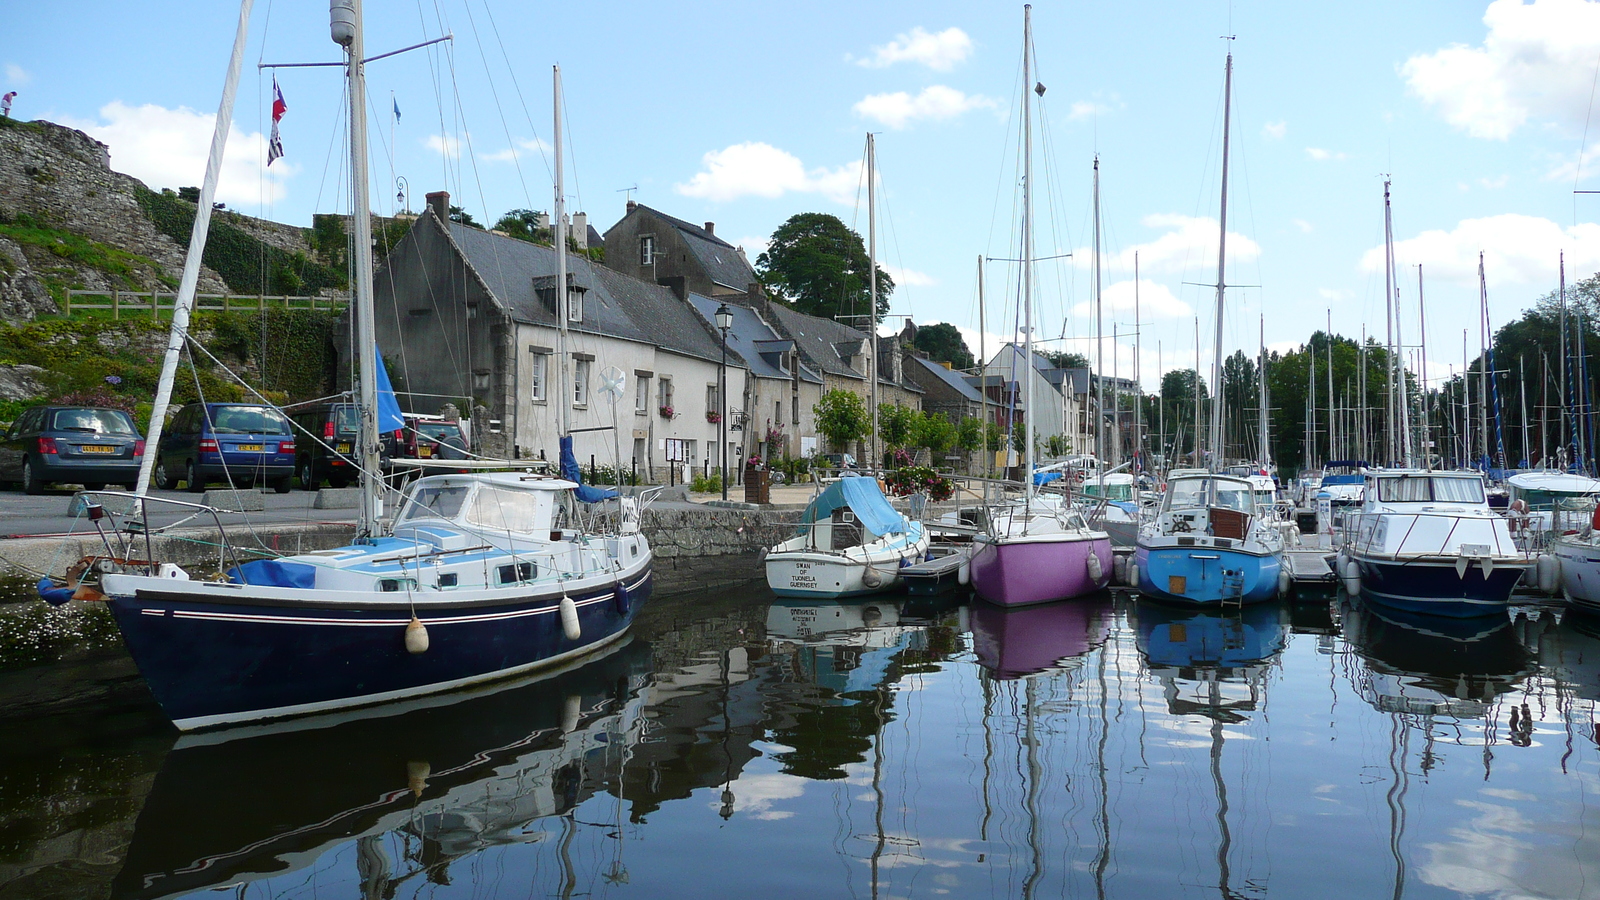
x=934 y=431
x=969 y=434
x=842 y=417
x=819 y=266
x=943 y=343
x=523 y=224
x=1058 y=445
x=457 y=214
x=1064 y=360
x=896 y=425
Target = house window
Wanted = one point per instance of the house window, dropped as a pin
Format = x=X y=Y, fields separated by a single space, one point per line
x=711 y=399
x=537 y=378
x=580 y=382
x=794 y=404
x=641 y=394
x=575 y=306
x=647 y=249
x=777 y=414
x=664 y=393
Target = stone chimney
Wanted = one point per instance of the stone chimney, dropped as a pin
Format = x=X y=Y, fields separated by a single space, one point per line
x=631 y=207
x=439 y=202
x=711 y=229
x=542 y=221
x=580 y=230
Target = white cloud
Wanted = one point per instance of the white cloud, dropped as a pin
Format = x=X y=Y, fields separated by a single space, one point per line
x=445 y=145
x=908 y=277
x=1188 y=241
x=755 y=169
x=936 y=51
x=1321 y=155
x=169 y=147
x=17 y=75
x=1303 y=225
x=936 y=103
x=1155 y=301
x=1517 y=249
x=1536 y=61
x=1083 y=109
x=1275 y=130
x=523 y=145
x=1494 y=184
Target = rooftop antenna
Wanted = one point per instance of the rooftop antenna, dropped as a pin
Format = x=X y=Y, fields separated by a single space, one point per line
x=629 y=191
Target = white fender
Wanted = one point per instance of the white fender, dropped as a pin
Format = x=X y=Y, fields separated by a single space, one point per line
x=1352 y=578
x=1119 y=568
x=1097 y=569
x=1549 y=569
x=1133 y=574
x=416 y=636
x=1285 y=581
x=569 y=619
x=964 y=574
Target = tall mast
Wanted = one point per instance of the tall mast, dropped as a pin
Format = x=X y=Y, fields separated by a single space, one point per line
x=1483 y=360
x=1565 y=393
x=564 y=391
x=872 y=282
x=1099 y=333
x=362 y=302
x=1333 y=420
x=1222 y=255
x=1427 y=418
x=1196 y=391
x=1402 y=393
x=983 y=375
x=1311 y=404
x=1261 y=378
x=197 y=243
x=1522 y=377
x=1388 y=325
x=1138 y=401
x=1027 y=245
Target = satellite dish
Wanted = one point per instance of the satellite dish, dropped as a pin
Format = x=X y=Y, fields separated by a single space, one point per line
x=612 y=382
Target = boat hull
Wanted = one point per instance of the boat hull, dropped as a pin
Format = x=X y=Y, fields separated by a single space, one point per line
x=1036 y=569
x=1580 y=573
x=1206 y=575
x=212 y=659
x=829 y=576
x=1436 y=588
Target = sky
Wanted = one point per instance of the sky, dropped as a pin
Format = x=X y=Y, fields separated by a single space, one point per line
x=745 y=114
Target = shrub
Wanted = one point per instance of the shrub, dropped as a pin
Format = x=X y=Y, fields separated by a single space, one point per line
x=910 y=480
x=701 y=484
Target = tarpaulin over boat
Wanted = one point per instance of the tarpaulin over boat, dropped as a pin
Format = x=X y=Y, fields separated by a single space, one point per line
x=274 y=573
x=571 y=472
x=864 y=498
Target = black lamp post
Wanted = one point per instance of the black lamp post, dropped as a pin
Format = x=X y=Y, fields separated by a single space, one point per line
x=724 y=317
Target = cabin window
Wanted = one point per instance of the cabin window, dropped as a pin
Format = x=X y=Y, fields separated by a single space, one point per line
x=507 y=510
x=441 y=502
x=515 y=572
x=647 y=249
x=448 y=579
x=538 y=366
x=580 y=382
x=395 y=585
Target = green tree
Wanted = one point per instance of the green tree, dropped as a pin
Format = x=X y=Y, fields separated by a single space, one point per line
x=1064 y=360
x=457 y=214
x=935 y=432
x=842 y=417
x=896 y=425
x=1058 y=445
x=943 y=343
x=523 y=224
x=969 y=434
x=819 y=266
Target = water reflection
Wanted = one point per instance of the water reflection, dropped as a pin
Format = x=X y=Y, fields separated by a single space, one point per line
x=412 y=793
x=1021 y=641
x=1211 y=661
x=1433 y=665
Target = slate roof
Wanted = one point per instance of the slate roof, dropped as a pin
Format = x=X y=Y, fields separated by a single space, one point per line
x=614 y=305
x=817 y=338
x=720 y=260
x=956 y=380
x=748 y=337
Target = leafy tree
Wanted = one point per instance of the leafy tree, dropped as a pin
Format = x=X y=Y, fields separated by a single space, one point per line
x=1064 y=360
x=994 y=437
x=842 y=417
x=934 y=431
x=969 y=434
x=457 y=214
x=896 y=425
x=523 y=224
x=943 y=343
x=819 y=266
x=1058 y=445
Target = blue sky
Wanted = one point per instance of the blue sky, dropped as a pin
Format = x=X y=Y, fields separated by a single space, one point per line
x=745 y=114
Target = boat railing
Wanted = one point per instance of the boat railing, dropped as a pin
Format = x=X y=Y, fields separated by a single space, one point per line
x=122 y=522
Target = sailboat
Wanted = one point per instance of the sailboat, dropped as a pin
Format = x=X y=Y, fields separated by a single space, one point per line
x=1034 y=552
x=481 y=576
x=1212 y=541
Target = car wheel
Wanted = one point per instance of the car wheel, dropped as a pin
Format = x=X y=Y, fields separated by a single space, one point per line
x=160 y=477
x=281 y=485
x=30 y=482
x=94 y=485
x=196 y=484
x=308 y=481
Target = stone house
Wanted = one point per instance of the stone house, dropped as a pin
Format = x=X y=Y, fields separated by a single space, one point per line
x=657 y=248
x=465 y=313
x=945 y=391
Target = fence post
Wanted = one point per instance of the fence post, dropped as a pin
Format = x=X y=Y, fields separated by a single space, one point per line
x=155 y=306
x=224 y=302
x=116 y=305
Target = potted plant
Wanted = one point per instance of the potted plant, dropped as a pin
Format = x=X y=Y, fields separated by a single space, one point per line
x=667 y=412
x=713 y=416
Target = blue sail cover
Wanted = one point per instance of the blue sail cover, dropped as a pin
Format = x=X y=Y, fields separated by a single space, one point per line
x=571 y=472
x=865 y=498
x=389 y=417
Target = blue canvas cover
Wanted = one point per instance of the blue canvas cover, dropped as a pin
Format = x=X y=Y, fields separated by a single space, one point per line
x=389 y=417
x=571 y=472
x=274 y=573
x=864 y=498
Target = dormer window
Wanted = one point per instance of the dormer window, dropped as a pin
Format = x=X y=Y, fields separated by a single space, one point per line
x=575 y=305
x=647 y=249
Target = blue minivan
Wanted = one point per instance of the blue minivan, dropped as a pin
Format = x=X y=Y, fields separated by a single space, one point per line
x=235 y=443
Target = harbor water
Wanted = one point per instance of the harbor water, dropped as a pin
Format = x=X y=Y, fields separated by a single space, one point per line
x=739 y=745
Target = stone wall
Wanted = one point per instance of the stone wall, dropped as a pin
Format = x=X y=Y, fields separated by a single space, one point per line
x=701 y=549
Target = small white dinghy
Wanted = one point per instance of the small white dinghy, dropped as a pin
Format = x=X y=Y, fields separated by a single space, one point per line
x=851 y=542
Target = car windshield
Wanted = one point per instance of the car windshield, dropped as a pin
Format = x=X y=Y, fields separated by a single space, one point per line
x=346 y=419
x=248 y=420
x=95 y=421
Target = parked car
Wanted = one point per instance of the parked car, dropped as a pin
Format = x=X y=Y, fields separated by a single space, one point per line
x=86 y=445
x=836 y=461
x=239 y=443
x=331 y=458
x=431 y=437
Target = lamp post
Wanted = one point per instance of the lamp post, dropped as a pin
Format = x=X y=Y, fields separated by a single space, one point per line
x=724 y=317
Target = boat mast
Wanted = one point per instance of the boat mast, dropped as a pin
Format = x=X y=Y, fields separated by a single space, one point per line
x=983 y=378
x=1027 y=245
x=1311 y=404
x=361 y=304
x=564 y=390
x=1427 y=416
x=1195 y=389
x=1138 y=385
x=1261 y=378
x=872 y=291
x=1565 y=394
x=1483 y=361
x=191 y=262
x=1099 y=337
x=1222 y=255
x=1402 y=392
x=1333 y=418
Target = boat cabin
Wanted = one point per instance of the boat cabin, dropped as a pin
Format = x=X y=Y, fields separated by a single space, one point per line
x=1219 y=505
x=1387 y=489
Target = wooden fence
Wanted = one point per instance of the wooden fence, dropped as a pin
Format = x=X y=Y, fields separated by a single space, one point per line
x=154 y=303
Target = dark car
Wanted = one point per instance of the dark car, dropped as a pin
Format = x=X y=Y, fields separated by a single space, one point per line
x=431 y=437
x=86 y=445
x=237 y=443
x=326 y=445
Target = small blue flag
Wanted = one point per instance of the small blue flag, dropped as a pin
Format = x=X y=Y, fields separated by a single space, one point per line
x=396 y=108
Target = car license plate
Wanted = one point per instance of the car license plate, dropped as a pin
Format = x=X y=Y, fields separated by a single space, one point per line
x=344 y=446
x=251 y=448
x=424 y=452
x=96 y=448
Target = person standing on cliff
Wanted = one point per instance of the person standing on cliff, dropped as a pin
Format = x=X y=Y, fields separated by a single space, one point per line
x=5 y=103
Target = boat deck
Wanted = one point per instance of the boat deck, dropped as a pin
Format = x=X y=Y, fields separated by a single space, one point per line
x=938 y=574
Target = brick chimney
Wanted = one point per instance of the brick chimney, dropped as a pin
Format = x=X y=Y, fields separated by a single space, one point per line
x=632 y=206
x=439 y=202
x=711 y=229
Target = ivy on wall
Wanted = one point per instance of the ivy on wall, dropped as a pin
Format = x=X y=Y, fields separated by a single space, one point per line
x=247 y=264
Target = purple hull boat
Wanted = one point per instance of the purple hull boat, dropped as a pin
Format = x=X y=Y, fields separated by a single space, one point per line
x=1016 y=643
x=1039 y=568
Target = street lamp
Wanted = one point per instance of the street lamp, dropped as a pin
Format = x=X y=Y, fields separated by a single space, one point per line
x=724 y=318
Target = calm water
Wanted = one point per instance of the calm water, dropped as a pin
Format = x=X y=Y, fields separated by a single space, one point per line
x=741 y=747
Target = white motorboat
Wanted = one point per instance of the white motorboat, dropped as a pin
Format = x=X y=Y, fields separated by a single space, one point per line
x=851 y=541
